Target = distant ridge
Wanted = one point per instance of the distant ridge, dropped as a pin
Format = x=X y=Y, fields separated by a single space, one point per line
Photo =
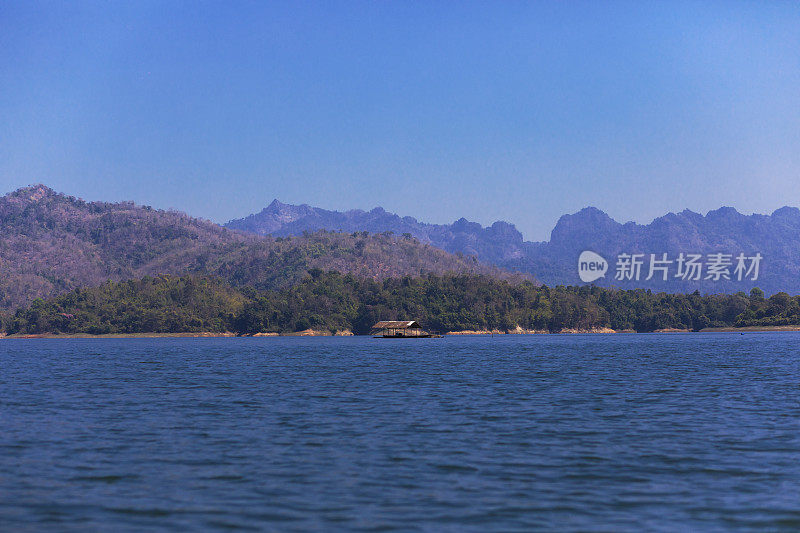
x=497 y=243
x=724 y=230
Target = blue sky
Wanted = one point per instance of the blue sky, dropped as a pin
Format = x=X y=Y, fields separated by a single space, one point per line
x=520 y=111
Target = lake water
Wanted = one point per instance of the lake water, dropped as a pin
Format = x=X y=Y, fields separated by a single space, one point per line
x=575 y=432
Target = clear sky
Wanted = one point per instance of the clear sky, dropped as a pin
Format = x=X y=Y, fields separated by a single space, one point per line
x=520 y=111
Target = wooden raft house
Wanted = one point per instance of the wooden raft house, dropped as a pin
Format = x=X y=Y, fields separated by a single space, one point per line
x=400 y=329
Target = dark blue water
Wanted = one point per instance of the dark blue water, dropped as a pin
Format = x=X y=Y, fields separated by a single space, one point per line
x=604 y=433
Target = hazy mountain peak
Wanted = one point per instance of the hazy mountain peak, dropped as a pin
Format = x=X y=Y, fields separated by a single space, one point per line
x=592 y=211
x=787 y=212
x=724 y=212
x=583 y=224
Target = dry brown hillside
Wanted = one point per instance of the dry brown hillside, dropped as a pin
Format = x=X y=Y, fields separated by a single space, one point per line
x=51 y=243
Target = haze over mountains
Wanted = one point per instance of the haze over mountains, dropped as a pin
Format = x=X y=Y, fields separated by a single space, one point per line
x=776 y=237
x=496 y=243
x=51 y=243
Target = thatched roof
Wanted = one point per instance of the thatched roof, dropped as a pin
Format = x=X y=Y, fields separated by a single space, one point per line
x=396 y=324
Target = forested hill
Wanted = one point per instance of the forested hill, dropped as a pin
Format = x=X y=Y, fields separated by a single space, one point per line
x=51 y=243
x=336 y=302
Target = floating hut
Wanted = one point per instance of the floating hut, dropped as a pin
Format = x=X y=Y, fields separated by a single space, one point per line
x=394 y=329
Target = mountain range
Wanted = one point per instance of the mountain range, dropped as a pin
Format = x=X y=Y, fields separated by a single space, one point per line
x=501 y=242
x=51 y=243
x=775 y=238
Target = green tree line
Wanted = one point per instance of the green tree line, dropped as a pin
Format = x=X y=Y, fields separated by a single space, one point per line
x=333 y=301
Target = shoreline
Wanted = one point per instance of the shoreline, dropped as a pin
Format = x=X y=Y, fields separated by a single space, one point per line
x=752 y=329
x=520 y=331
x=119 y=335
x=181 y=335
x=347 y=333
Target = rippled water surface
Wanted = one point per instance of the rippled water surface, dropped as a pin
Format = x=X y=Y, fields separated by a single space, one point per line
x=582 y=432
